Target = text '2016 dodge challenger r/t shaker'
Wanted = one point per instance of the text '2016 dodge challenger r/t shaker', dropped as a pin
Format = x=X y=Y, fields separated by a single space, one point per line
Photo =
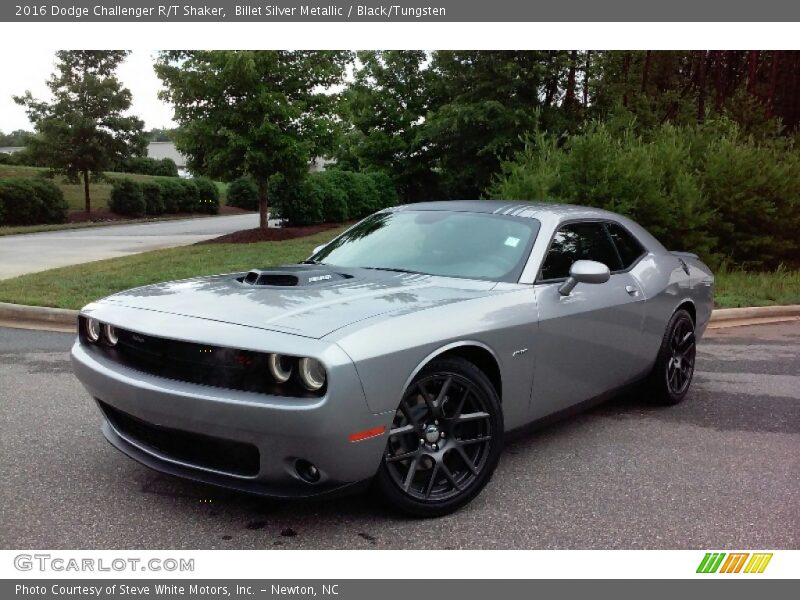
x=400 y=353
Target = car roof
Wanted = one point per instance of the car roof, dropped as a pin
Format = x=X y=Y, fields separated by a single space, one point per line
x=529 y=209
x=555 y=212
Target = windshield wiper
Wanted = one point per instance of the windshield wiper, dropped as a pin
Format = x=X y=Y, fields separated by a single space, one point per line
x=396 y=270
x=310 y=261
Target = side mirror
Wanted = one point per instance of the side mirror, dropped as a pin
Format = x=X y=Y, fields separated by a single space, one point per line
x=584 y=271
x=317 y=249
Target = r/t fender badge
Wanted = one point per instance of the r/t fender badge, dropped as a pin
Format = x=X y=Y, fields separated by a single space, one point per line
x=519 y=352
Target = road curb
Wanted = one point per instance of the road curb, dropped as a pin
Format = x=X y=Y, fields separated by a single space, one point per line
x=37 y=317
x=62 y=319
x=755 y=312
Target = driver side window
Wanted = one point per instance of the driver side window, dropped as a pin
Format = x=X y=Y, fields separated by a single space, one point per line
x=578 y=241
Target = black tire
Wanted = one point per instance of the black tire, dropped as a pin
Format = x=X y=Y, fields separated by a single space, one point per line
x=672 y=374
x=449 y=471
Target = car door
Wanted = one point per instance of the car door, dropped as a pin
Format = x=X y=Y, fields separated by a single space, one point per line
x=587 y=342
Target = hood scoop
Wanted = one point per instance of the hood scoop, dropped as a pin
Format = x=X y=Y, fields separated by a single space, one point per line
x=300 y=277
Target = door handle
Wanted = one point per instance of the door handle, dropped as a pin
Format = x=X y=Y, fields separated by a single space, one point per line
x=632 y=291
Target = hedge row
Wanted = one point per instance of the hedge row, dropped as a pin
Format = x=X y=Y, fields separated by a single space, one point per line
x=143 y=165
x=164 y=195
x=710 y=189
x=31 y=201
x=324 y=197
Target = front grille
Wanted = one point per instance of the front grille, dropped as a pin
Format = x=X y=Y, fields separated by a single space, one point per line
x=205 y=451
x=217 y=366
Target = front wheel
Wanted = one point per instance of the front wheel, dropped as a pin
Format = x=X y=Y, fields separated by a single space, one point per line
x=672 y=374
x=445 y=440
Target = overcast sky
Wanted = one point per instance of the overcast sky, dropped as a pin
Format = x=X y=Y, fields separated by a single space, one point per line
x=30 y=68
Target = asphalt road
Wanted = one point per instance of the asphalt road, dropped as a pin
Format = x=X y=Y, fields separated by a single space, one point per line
x=33 y=252
x=721 y=470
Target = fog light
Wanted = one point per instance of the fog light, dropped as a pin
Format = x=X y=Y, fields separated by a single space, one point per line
x=92 y=330
x=110 y=335
x=306 y=471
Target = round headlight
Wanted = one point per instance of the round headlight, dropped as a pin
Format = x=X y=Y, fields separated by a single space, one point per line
x=110 y=334
x=312 y=374
x=92 y=330
x=280 y=367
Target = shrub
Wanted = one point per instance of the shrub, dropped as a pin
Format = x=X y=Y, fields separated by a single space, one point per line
x=30 y=201
x=5 y=158
x=52 y=206
x=22 y=206
x=331 y=196
x=357 y=190
x=386 y=193
x=707 y=188
x=151 y=193
x=187 y=201
x=243 y=193
x=167 y=168
x=207 y=196
x=298 y=203
x=126 y=198
x=171 y=192
x=144 y=165
x=19 y=200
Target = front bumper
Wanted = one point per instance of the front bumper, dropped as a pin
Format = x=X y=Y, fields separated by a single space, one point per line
x=283 y=430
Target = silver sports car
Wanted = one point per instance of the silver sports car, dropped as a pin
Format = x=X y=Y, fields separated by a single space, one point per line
x=400 y=353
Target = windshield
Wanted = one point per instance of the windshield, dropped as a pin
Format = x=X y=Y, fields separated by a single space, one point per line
x=451 y=244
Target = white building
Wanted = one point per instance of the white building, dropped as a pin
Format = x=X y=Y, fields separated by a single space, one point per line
x=159 y=150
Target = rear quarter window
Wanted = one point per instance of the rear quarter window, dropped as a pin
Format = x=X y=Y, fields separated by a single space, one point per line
x=629 y=248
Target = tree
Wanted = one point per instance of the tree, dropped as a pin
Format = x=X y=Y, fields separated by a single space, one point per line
x=18 y=137
x=258 y=113
x=84 y=130
x=482 y=102
x=384 y=108
x=161 y=134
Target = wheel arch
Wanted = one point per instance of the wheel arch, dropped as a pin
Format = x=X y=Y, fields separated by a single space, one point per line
x=478 y=353
x=688 y=306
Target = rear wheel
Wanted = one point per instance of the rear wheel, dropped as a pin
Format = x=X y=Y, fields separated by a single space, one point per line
x=445 y=440
x=669 y=382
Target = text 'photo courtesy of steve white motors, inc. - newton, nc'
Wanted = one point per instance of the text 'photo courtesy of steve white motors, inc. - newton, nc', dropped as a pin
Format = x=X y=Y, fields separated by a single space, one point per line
x=239 y=11
x=169 y=589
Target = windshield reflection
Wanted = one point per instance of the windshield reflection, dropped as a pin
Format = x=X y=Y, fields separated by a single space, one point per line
x=436 y=242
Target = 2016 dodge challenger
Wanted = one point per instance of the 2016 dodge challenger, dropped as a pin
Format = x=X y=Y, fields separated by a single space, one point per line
x=401 y=352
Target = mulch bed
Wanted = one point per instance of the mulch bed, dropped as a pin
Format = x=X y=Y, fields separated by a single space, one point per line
x=103 y=215
x=273 y=234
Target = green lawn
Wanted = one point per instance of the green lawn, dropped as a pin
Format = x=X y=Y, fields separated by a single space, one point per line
x=743 y=288
x=73 y=287
x=73 y=192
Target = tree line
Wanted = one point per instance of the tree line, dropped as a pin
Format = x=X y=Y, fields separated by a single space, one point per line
x=448 y=124
x=445 y=121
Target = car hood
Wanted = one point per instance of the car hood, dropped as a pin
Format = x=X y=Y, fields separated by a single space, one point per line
x=312 y=310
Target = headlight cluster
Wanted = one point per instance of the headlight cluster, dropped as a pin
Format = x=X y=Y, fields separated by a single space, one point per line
x=309 y=371
x=95 y=331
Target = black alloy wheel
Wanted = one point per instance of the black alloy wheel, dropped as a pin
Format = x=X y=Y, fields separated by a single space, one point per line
x=445 y=440
x=680 y=366
x=674 y=368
